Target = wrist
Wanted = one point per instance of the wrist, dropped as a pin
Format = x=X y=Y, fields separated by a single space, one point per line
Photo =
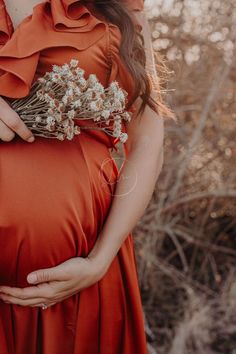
x=99 y=268
x=100 y=261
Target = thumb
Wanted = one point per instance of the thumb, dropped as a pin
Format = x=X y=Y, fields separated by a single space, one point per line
x=43 y=276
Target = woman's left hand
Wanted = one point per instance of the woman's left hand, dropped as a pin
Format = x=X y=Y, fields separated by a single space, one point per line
x=55 y=284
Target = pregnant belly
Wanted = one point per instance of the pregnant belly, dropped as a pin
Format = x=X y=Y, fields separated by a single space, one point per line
x=54 y=197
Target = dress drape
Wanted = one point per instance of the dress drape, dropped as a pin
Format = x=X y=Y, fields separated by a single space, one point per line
x=55 y=195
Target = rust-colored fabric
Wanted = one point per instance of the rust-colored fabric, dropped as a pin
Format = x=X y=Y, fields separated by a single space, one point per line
x=55 y=196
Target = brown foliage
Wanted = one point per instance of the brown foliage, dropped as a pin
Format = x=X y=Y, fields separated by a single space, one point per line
x=186 y=240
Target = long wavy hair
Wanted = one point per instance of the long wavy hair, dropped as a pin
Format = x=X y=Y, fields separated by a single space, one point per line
x=133 y=54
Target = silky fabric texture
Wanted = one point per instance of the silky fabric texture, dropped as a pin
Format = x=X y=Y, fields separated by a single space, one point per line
x=55 y=196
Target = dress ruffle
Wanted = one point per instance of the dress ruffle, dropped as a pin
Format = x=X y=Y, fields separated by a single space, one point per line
x=50 y=25
x=6 y=26
x=55 y=24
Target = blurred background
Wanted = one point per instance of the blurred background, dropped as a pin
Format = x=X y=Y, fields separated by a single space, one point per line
x=186 y=241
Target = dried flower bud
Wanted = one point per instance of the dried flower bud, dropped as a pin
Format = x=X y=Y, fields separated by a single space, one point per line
x=123 y=137
x=74 y=63
x=38 y=119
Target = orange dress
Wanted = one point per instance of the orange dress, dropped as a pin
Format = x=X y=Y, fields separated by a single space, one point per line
x=55 y=195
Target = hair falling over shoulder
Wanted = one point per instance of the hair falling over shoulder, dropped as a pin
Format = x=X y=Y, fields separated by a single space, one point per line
x=133 y=54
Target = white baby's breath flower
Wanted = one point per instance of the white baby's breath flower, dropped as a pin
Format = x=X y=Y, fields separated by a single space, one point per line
x=39 y=95
x=65 y=99
x=82 y=82
x=56 y=68
x=68 y=76
x=117 y=123
x=79 y=72
x=116 y=133
x=60 y=136
x=126 y=116
x=69 y=92
x=120 y=95
x=48 y=85
x=42 y=80
x=117 y=128
x=71 y=114
x=99 y=88
x=38 y=119
x=58 y=117
x=50 y=111
x=77 y=91
x=69 y=133
x=74 y=63
x=117 y=105
x=89 y=95
x=76 y=104
x=71 y=85
x=92 y=80
x=65 y=67
x=61 y=107
x=55 y=78
x=65 y=123
x=96 y=118
x=52 y=104
x=77 y=130
x=105 y=114
x=123 y=137
x=50 y=120
x=114 y=86
x=49 y=127
x=47 y=98
x=94 y=106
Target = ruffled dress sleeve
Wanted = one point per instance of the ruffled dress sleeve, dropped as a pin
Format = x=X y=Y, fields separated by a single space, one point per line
x=53 y=24
x=6 y=26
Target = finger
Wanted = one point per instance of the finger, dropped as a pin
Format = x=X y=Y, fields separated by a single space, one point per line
x=32 y=292
x=62 y=298
x=48 y=305
x=12 y=120
x=21 y=293
x=8 y=299
x=46 y=275
x=6 y=134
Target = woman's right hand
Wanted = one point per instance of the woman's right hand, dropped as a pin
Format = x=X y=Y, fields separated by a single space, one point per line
x=11 y=124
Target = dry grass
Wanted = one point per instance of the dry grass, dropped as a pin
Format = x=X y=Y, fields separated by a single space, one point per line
x=186 y=241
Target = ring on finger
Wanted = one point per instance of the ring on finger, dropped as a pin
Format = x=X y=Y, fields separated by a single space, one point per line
x=44 y=306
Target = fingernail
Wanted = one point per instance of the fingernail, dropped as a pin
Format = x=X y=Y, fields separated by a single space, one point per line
x=31 y=139
x=32 y=278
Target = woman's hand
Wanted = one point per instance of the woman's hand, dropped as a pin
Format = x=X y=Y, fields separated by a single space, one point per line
x=11 y=124
x=55 y=284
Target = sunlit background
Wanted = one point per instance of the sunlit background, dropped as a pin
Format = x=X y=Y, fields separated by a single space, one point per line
x=186 y=241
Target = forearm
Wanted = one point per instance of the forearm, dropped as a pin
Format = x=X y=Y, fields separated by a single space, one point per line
x=138 y=176
x=134 y=189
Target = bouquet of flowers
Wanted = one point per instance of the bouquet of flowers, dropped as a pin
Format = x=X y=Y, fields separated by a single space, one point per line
x=63 y=95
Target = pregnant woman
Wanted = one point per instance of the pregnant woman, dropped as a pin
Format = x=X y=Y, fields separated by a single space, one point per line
x=68 y=275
